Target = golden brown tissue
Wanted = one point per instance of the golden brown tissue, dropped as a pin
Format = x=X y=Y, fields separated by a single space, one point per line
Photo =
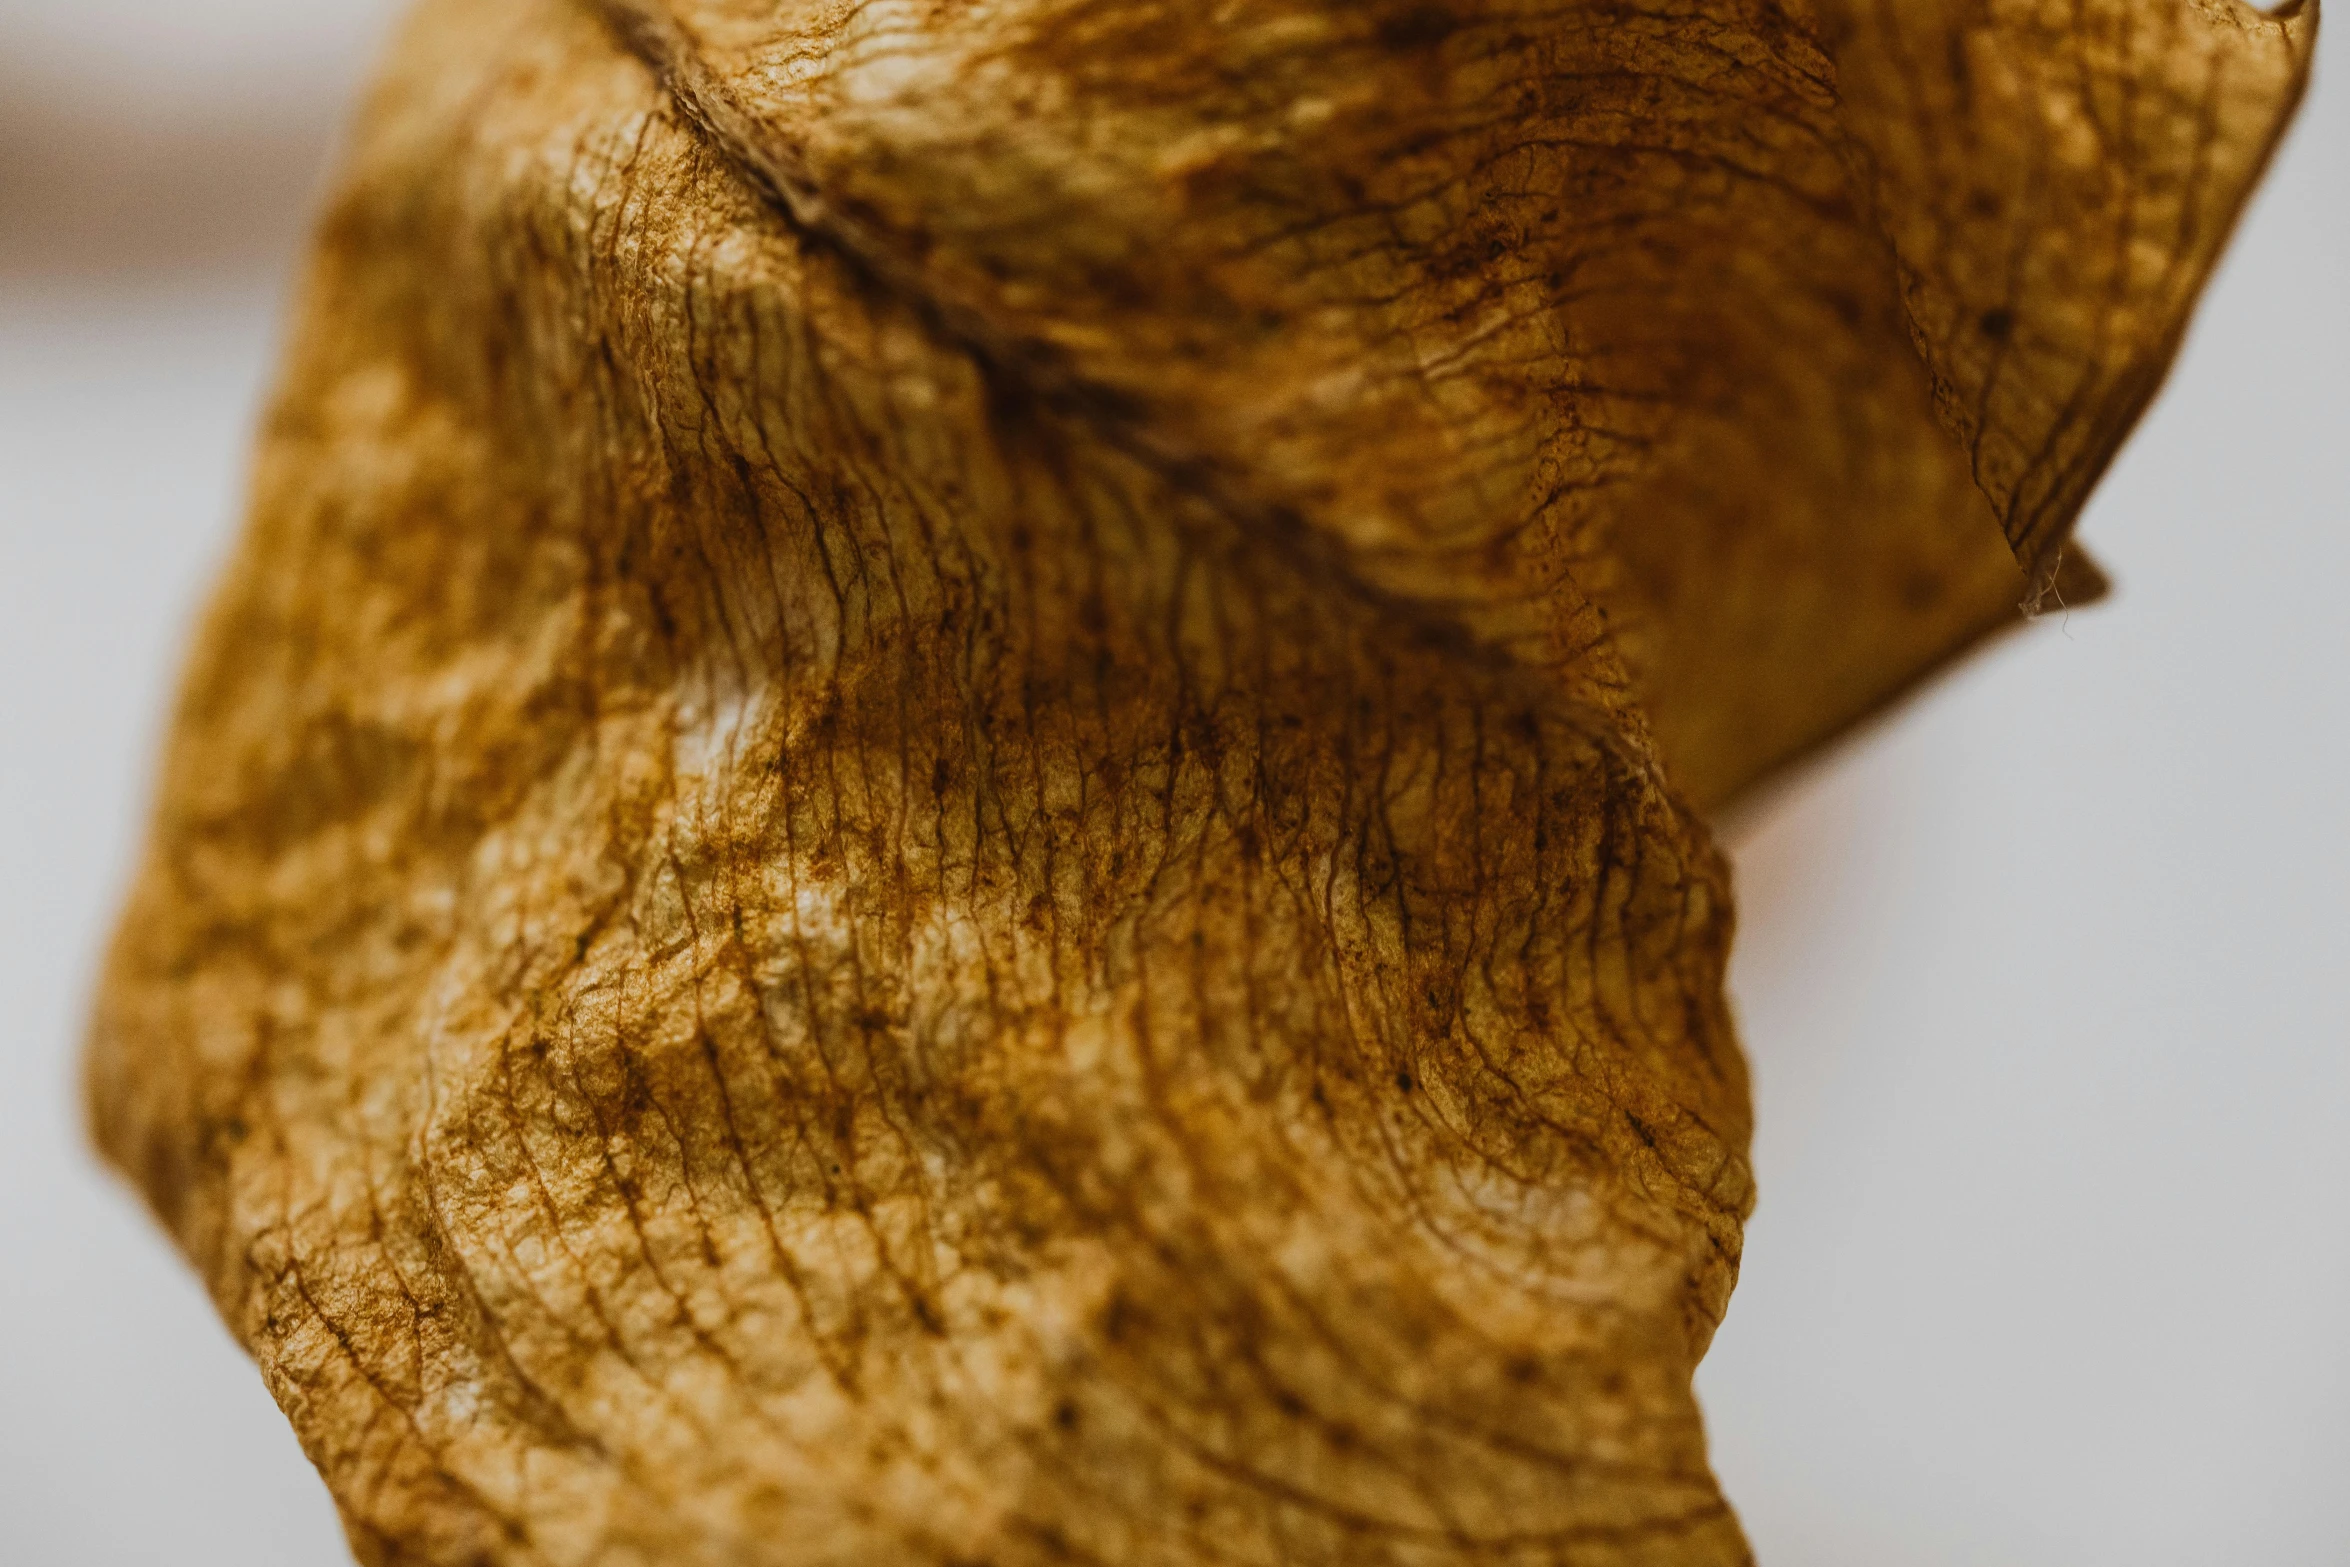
x=948 y=809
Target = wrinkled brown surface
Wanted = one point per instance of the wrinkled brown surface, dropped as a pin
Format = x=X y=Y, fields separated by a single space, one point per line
x=944 y=810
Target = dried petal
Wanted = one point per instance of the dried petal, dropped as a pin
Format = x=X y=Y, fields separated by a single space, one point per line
x=944 y=811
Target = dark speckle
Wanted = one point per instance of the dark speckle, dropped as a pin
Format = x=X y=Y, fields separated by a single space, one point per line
x=1417 y=27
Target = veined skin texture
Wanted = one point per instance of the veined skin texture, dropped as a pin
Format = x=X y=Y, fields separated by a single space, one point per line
x=948 y=808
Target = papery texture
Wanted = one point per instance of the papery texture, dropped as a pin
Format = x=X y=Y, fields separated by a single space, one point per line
x=946 y=808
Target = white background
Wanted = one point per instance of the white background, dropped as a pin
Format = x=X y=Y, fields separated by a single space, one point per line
x=2046 y=983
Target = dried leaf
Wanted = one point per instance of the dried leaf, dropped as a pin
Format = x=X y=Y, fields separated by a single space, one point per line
x=944 y=811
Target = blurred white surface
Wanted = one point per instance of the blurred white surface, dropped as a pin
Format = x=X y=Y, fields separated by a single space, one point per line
x=195 y=57
x=2046 y=984
x=132 y=1431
